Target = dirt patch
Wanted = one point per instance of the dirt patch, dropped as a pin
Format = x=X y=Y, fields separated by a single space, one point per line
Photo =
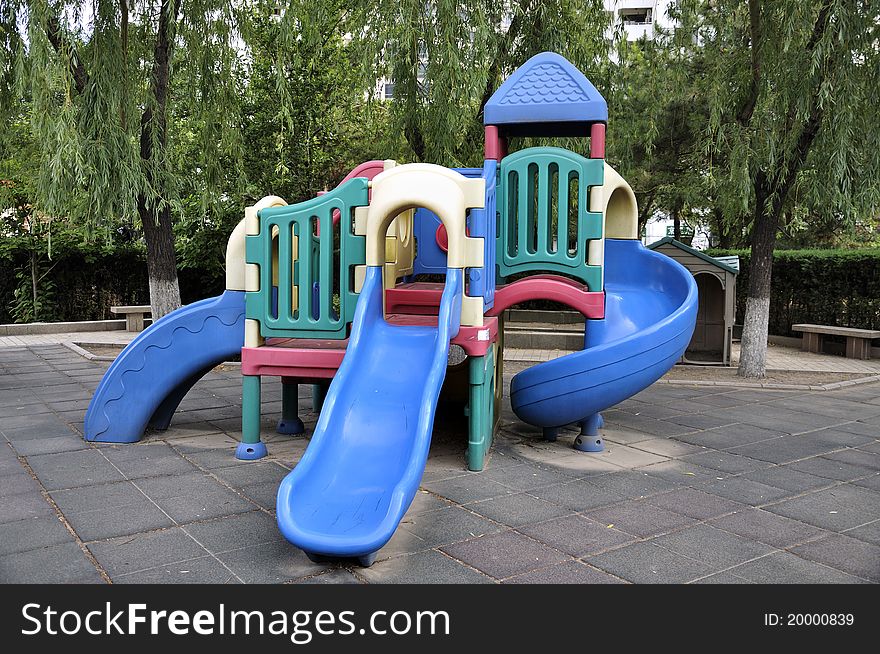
x=717 y=373
x=806 y=378
x=112 y=350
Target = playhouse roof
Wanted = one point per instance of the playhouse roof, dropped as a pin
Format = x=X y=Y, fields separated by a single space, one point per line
x=729 y=264
x=550 y=91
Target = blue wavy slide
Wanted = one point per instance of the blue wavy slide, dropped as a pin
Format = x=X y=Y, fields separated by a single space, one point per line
x=150 y=377
x=366 y=458
x=650 y=314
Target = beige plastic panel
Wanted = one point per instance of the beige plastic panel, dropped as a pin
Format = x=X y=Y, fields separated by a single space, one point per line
x=241 y=276
x=448 y=195
x=619 y=206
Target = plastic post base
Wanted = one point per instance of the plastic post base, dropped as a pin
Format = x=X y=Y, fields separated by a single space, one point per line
x=250 y=451
x=584 y=443
x=290 y=427
x=550 y=434
x=589 y=439
x=367 y=559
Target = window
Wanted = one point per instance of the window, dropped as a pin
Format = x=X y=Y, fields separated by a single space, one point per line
x=636 y=16
x=388 y=93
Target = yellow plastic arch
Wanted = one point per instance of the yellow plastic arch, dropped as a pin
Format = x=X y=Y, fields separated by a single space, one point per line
x=444 y=192
x=620 y=207
x=235 y=257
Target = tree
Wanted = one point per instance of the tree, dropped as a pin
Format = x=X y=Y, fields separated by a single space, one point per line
x=447 y=58
x=98 y=77
x=793 y=93
x=655 y=124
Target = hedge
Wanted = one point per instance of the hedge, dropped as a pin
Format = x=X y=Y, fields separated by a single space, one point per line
x=87 y=285
x=826 y=287
x=829 y=287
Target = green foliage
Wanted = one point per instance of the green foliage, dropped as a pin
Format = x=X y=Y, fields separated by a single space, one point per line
x=792 y=91
x=655 y=124
x=827 y=287
x=447 y=58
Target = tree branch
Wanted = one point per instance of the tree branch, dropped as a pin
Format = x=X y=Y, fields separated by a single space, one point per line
x=744 y=116
x=63 y=46
x=811 y=126
x=159 y=85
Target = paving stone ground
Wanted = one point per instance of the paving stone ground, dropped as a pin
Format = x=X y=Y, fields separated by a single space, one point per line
x=697 y=485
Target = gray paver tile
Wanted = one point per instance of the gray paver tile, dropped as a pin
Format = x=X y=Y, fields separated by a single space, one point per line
x=504 y=555
x=837 y=508
x=144 y=551
x=32 y=534
x=647 y=563
x=204 y=570
x=73 y=469
x=64 y=563
x=570 y=572
x=270 y=563
x=719 y=549
x=640 y=518
x=517 y=510
x=578 y=495
x=24 y=506
x=577 y=535
x=194 y=496
x=147 y=460
x=235 y=532
x=786 y=568
x=694 y=503
x=765 y=527
x=855 y=557
x=420 y=568
x=746 y=491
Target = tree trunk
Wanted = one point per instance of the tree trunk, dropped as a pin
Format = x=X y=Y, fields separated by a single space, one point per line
x=676 y=224
x=158 y=233
x=753 y=352
x=161 y=260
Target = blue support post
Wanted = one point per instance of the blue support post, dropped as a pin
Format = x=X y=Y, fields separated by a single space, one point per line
x=589 y=439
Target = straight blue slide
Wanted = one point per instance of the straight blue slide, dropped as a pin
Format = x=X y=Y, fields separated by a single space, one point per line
x=366 y=458
x=151 y=375
x=650 y=314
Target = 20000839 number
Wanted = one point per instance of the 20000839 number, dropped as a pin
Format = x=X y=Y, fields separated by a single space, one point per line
x=820 y=619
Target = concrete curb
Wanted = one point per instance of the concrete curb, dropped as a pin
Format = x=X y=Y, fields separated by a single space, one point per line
x=81 y=351
x=85 y=353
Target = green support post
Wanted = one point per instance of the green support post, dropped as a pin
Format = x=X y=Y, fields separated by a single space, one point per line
x=290 y=422
x=251 y=447
x=319 y=392
x=481 y=409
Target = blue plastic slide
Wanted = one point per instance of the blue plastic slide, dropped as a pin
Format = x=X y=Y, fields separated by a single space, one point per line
x=149 y=378
x=366 y=458
x=650 y=313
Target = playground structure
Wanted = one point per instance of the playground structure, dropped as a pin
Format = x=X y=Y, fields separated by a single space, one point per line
x=329 y=292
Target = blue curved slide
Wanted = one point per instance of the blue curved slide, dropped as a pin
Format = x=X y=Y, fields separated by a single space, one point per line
x=650 y=314
x=149 y=378
x=366 y=458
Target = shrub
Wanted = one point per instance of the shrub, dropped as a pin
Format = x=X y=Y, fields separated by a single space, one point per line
x=826 y=287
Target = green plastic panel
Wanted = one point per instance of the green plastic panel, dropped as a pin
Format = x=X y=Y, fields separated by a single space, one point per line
x=545 y=221
x=314 y=315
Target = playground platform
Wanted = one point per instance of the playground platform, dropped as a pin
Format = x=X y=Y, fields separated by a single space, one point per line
x=698 y=484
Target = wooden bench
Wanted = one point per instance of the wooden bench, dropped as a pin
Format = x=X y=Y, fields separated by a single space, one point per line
x=134 y=316
x=858 y=341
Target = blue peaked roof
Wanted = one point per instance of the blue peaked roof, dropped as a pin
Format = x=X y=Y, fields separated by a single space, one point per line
x=546 y=89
